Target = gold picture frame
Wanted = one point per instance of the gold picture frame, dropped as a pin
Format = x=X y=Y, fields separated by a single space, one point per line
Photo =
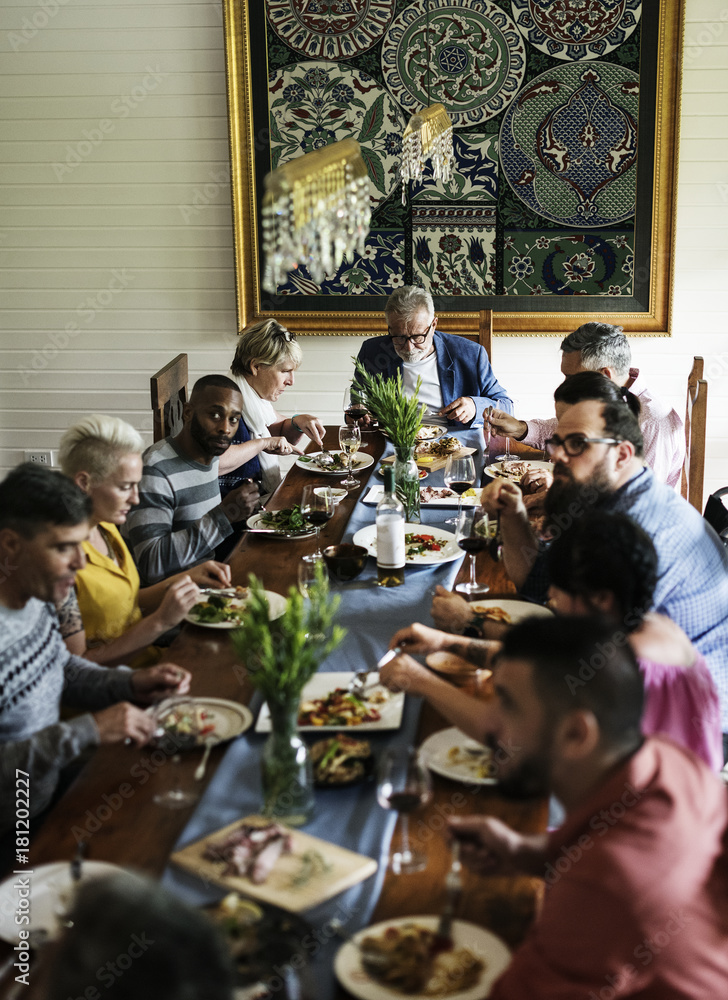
x=248 y=149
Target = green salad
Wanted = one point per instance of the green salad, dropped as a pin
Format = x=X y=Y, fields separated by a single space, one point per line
x=289 y=521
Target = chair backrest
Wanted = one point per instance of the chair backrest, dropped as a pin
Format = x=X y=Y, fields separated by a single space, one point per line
x=169 y=395
x=484 y=336
x=696 y=409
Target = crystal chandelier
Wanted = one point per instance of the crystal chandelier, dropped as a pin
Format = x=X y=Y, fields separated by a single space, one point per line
x=428 y=136
x=316 y=211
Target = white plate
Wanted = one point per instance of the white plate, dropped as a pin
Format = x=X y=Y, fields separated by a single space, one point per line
x=322 y=684
x=360 y=462
x=367 y=537
x=51 y=892
x=423 y=472
x=496 y=469
x=427 y=432
x=256 y=523
x=518 y=610
x=376 y=493
x=481 y=942
x=436 y=748
x=276 y=606
x=229 y=718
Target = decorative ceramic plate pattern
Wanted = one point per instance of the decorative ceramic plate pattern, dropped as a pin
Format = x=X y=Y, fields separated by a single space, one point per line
x=313 y=104
x=330 y=30
x=568 y=144
x=576 y=29
x=474 y=174
x=490 y=949
x=554 y=262
x=477 y=58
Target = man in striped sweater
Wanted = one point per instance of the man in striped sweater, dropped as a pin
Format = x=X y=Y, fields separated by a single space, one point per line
x=180 y=519
x=43 y=521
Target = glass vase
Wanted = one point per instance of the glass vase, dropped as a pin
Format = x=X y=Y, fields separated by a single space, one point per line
x=287 y=774
x=407 y=483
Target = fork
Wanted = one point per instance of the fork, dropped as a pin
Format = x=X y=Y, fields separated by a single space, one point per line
x=358 y=682
x=453 y=890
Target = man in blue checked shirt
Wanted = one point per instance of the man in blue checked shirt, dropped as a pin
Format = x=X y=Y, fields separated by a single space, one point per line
x=597 y=453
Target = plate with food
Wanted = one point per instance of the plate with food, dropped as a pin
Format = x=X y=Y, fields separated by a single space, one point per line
x=424 y=545
x=339 y=467
x=269 y=861
x=340 y=761
x=216 y=719
x=508 y=612
x=441 y=448
x=286 y=523
x=423 y=473
x=454 y=755
x=326 y=703
x=427 y=432
x=430 y=496
x=398 y=957
x=515 y=469
x=225 y=608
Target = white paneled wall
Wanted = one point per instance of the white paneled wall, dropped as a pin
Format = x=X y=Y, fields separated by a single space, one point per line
x=115 y=234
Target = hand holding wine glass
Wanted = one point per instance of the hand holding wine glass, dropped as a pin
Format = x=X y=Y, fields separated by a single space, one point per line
x=349 y=442
x=473 y=536
x=317 y=506
x=404 y=784
x=459 y=477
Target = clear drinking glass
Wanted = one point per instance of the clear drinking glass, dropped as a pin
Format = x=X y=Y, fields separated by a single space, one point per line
x=307 y=573
x=473 y=536
x=459 y=477
x=404 y=784
x=177 y=728
x=317 y=506
x=349 y=442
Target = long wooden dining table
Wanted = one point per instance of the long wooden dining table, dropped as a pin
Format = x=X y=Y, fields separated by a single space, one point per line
x=110 y=804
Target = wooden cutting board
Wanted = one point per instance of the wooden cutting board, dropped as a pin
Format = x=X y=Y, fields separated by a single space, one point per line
x=347 y=869
x=433 y=464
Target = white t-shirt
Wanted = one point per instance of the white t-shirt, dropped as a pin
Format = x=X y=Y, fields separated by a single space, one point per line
x=430 y=392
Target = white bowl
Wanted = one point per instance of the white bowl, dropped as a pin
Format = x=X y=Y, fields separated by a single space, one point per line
x=337 y=493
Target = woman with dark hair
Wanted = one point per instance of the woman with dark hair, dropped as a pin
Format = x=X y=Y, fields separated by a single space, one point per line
x=603 y=566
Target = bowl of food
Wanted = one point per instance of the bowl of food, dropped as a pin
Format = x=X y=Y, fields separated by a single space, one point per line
x=457 y=671
x=336 y=493
x=346 y=561
x=340 y=761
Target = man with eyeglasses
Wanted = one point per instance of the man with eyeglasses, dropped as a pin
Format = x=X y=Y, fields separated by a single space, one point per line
x=597 y=453
x=457 y=380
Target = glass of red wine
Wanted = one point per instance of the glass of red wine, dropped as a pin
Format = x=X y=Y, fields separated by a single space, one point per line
x=473 y=536
x=404 y=785
x=356 y=409
x=459 y=477
x=317 y=506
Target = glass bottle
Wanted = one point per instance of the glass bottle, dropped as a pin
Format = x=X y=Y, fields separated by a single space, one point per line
x=390 y=536
x=407 y=483
x=287 y=773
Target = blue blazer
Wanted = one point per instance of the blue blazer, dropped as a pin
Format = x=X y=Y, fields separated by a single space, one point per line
x=462 y=365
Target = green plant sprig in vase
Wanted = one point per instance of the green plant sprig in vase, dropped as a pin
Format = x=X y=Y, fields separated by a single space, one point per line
x=281 y=657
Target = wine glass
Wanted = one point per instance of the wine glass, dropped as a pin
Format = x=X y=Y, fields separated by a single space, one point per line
x=404 y=784
x=177 y=728
x=317 y=506
x=459 y=477
x=307 y=572
x=349 y=441
x=506 y=456
x=473 y=535
x=355 y=405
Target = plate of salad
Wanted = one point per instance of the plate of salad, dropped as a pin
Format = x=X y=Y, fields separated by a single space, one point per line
x=424 y=545
x=359 y=461
x=226 y=608
x=286 y=523
x=217 y=719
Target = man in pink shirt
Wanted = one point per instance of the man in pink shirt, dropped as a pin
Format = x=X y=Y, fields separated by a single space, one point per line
x=636 y=900
x=604 y=348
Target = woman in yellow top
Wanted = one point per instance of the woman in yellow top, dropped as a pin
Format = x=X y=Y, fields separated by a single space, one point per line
x=107 y=617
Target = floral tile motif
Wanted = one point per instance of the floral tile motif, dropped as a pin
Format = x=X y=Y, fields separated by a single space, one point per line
x=475 y=172
x=378 y=271
x=339 y=30
x=313 y=104
x=477 y=58
x=568 y=144
x=576 y=29
x=453 y=248
x=568 y=263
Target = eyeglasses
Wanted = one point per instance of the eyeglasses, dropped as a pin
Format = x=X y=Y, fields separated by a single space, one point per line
x=417 y=340
x=575 y=444
x=284 y=334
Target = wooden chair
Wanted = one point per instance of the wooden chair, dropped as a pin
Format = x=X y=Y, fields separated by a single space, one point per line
x=696 y=410
x=485 y=331
x=169 y=395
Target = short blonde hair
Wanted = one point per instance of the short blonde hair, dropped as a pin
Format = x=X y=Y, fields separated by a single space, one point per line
x=96 y=444
x=269 y=343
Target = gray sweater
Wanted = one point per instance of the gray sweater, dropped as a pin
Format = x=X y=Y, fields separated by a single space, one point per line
x=36 y=673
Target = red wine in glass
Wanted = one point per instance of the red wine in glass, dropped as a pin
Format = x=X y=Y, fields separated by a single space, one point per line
x=403 y=802
x=459 y=487
x=473 y=544
x=404 y=785
x=318 y=517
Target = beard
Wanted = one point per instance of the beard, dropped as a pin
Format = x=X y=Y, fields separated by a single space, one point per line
x=531 y=777
x=211 y=444
x=568 y=498
x=413 y=356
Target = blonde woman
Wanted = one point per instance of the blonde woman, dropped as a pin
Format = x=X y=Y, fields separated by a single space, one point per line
x=265 y=360
x=107 y=618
